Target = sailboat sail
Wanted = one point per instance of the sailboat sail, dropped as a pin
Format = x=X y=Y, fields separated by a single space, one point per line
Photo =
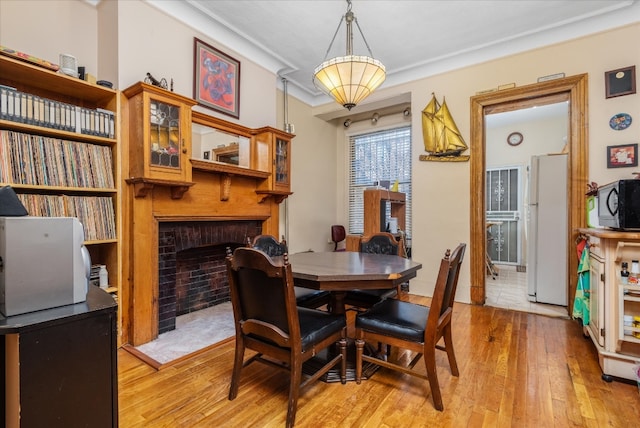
x=442 y=139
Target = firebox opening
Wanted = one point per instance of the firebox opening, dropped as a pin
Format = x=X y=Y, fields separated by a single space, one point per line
x=192 y=269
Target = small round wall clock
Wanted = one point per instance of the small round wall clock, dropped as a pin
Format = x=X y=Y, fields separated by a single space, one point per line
x=515 y=138
x=620 y=121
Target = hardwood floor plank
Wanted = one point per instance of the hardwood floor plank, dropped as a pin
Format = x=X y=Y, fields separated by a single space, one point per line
x=516 y=370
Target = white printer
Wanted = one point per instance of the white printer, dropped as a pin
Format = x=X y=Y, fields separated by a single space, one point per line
x=43 y=263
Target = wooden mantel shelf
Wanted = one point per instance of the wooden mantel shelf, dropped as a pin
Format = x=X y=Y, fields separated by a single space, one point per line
x=224 y=168
x=142 y=186
x=278 y=196
x=227 y=171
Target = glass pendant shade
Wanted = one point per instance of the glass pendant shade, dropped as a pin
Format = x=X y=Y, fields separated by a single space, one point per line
x=349 y=79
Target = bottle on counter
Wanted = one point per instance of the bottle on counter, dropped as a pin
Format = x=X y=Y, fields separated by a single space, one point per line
x=104 y=277
x=624 y=273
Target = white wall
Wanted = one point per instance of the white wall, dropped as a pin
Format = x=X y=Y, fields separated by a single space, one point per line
x=314 y=177
x=46 y=29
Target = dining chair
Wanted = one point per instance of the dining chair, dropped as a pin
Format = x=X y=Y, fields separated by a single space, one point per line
x=338 y=234
x=305 y=297
x=414 y=327
x=268 y=321
x=377 y=243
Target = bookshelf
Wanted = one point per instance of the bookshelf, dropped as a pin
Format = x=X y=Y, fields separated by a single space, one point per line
x=375 y=201
x=58 y=151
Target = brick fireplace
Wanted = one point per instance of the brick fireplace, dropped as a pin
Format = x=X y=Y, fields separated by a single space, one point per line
x=191 y=265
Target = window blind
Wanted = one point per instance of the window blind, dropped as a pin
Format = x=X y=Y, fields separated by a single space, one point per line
x=383 y=155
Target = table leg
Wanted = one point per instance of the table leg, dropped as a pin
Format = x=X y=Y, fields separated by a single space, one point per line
x=337 y=302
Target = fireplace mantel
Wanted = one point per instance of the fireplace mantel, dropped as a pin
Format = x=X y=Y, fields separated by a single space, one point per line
x=216 y=192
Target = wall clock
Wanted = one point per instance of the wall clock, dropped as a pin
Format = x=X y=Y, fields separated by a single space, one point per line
x=515 y=138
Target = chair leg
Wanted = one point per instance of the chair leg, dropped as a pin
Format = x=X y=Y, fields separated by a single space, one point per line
x=448 y=346
x=359 y=349
x=430 y=363
x=237 y=368
x=294 y=391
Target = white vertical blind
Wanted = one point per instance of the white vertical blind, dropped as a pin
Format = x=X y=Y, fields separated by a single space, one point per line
x=383 y=155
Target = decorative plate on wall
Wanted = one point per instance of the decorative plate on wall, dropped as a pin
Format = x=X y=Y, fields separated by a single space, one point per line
x=620 y=121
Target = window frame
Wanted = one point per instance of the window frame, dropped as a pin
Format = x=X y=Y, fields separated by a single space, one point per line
x=356 y=186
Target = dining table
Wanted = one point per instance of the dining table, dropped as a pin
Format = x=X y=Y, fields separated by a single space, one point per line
x=339 y=272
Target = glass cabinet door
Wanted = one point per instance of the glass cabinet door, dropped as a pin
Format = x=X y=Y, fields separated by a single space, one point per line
x=164 y=135
x=282 y=162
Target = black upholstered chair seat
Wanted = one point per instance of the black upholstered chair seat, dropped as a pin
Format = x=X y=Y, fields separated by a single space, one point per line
x=308 y=298
x=368 y=298
x=395 y=318
x=318 y=325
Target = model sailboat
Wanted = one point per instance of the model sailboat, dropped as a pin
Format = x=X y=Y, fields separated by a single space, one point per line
x=442 y=139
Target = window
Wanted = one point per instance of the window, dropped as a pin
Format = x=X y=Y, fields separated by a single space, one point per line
x=384 y=155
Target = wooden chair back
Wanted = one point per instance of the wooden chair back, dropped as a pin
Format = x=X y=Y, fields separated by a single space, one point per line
x=441 y=307
x=379 y=243
x=268 y=321
x=263 y=298
x=269 y=244
x=306 y=297
x=415 y=327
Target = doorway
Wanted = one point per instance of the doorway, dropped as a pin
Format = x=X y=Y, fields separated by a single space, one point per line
x=573 y=89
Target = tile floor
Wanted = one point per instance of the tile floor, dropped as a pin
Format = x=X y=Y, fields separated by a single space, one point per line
x=509 y=291
x=193 y=331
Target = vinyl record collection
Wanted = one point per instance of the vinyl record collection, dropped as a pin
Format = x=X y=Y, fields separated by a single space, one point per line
x=34 y=160
x=45 y=161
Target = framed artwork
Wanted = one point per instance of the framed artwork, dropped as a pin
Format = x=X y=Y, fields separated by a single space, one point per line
x=622 y=156
x=620 y=82
x=216 y=80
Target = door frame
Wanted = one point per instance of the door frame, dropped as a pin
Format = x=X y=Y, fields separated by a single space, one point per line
x=573 y=88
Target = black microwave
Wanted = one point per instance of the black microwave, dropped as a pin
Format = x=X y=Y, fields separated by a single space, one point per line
x=619 y=204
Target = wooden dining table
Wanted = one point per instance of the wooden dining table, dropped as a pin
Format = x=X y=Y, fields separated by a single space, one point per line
x=339 y=272
x=342 y=271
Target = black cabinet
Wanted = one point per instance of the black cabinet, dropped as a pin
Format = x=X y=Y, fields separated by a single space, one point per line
x=60 y=366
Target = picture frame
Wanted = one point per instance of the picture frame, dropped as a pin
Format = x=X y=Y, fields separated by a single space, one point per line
x=216 y=80
x=621 y=156
x=619 y=82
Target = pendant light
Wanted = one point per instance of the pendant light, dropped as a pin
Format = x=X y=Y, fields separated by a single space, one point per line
x=351 y=78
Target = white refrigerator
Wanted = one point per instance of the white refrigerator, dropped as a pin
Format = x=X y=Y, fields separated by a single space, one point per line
x=547 y=226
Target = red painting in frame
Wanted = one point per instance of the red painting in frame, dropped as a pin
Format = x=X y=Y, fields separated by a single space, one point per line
x=216 y=80
x=622 y=156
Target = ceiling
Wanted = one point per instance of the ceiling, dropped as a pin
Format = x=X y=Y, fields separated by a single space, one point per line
x=413 y=39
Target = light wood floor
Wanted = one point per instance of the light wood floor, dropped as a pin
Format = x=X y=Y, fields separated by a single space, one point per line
x=516 y=370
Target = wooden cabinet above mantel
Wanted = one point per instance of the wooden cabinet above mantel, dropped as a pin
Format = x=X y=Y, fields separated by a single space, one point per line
x=167 y=140
x=263 y=154
x=159 y=134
